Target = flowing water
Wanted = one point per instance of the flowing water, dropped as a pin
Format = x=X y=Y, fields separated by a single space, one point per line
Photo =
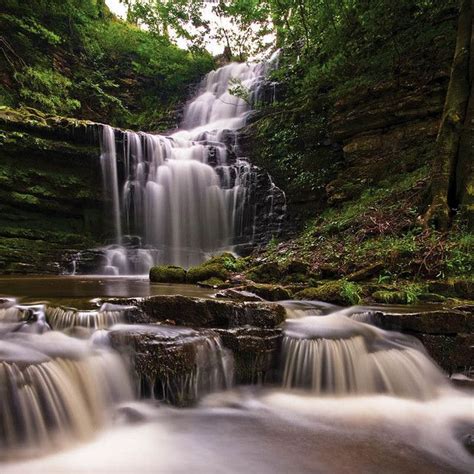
x=350 y=398
x=179 y=198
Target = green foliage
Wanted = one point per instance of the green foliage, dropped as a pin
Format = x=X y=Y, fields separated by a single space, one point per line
x=73 y=57
x=33 y=27
x=351 y=292
x=46 y=89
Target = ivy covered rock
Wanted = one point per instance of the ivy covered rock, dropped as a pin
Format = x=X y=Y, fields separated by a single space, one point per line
x=167 y=274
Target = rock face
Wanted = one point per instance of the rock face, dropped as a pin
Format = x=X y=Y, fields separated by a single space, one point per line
x=255 y=352
x=50 y=198
x=203 y=313
x=448 y=335
x=179 y=363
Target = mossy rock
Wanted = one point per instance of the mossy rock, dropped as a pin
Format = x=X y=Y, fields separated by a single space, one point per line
x=267 y=272
x=167 y=274
x=296 y=267
x=269 y=292
x=217 y=267
x=338 y=292
x=390 y=297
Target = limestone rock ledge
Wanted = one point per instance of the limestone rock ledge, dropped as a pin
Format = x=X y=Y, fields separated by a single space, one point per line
x=448 y=335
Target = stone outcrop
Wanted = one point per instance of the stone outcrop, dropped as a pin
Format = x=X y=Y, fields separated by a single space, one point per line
x=202 y=312
x=255 y=352
x=50 y=198
x=447 y=334
x=182 y=347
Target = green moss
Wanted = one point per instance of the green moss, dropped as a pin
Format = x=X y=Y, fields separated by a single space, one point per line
x=338 y=292
x=390 y=297
x=167 y=274
x=218 y=267
x=265 y=273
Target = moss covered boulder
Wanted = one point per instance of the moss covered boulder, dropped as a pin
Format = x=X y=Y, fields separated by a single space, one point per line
x=338 y=292
x=167 y=274
x=268 y=272
x=218 y=267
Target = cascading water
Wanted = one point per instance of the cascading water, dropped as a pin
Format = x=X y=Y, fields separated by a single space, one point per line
x=52 y=387
x=185 y=196
x=334 y=354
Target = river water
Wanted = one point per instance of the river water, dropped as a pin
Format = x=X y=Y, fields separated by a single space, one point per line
x=351 y=398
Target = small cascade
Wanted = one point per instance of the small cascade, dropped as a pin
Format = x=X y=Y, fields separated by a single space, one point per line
x=335 y=355
x=61 y=318
x=54 y=388
x=178 y=199
x=174 y=364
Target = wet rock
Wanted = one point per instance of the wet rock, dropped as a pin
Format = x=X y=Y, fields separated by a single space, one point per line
x=444 y=321
x=337 y=292
x=451 y=352
x=202 y=312
x=167 y=274
x=238 y=295
x=460 y=288
x=255 y=351
x=177 y=365
x=468 y=443
x=214 y=283
x=269 y=292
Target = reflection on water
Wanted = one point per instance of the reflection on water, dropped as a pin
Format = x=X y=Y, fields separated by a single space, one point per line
x=70 y=290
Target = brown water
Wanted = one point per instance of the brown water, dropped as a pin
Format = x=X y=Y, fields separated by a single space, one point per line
x=79 y=290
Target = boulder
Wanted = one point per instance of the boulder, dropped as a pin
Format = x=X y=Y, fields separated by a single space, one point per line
x=338 y=292
x=218 y=267
x=167 y=274
x=267 y=272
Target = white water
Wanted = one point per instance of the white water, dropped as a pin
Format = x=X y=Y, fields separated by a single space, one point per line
x=354 y=399
x=183 y=197
x=334 y=354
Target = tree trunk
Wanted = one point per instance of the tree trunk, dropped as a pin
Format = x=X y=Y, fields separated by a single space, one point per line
x=465 y=165
x=452 y=124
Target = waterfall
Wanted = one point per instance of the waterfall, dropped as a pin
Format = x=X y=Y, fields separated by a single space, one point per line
x=61 y=318
x=54 y=388
x=177 y=199
x=334 y=354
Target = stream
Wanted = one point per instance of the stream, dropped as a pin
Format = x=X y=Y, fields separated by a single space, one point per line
x=349 y=398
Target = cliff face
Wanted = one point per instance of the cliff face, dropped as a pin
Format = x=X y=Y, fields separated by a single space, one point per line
x=385 y=131
x=50 y=194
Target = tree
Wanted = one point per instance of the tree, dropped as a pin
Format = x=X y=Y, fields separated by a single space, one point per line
x=183 y=17
x=452 y=181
